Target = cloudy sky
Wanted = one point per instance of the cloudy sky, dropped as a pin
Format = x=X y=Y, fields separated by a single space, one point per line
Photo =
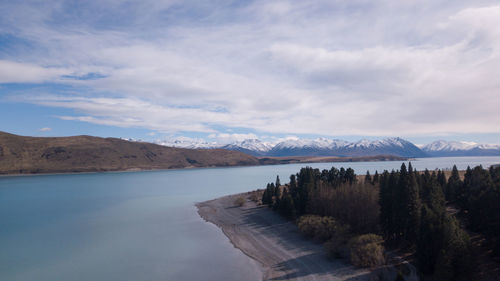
x=150 y=69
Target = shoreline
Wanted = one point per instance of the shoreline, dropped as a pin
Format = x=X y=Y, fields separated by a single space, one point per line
x=279 y=161
x=131 y=170
x=276 y=244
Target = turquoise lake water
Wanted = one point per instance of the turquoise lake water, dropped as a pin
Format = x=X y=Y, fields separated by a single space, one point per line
x=138 y=225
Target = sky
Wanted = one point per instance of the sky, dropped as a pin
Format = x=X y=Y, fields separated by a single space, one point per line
x=229 y=70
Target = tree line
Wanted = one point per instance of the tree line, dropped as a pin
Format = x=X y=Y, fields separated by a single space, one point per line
x=407 y=208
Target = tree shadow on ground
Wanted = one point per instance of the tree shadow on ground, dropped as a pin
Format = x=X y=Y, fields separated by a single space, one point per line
x=306 y=265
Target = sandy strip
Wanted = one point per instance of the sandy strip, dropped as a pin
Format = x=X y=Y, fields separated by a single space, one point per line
x=275 y=243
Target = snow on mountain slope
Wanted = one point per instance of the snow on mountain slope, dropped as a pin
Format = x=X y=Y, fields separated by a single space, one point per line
x=254 y=144
x=364 y=143
x=336 y=147
x=442 y=145
x=188 y=143
x=253 y=147
x=391 y=146
x=461 y=148
x=321 y=143
x=327 y=147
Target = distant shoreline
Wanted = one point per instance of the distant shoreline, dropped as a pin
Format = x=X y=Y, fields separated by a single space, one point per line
x=263 y=161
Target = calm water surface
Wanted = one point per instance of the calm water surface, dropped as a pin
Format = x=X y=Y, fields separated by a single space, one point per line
x=139 y=225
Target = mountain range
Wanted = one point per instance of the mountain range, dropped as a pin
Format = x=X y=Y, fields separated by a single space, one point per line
x=342 y=148
x=20 y=154
x=443 y=148
x=34 y=155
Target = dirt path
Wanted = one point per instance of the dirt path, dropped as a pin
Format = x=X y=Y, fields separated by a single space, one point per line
x=275 y=243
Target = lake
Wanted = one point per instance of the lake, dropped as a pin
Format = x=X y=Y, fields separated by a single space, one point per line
x=138 y=225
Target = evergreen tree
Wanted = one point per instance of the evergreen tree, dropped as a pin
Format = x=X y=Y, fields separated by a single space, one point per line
x=428 y=242
x=286 y=207
x=277 y=194
x=453 y=185
x=350 y=176
x=272 y=190
x=412 y=207
x=267 y=196
x=390 y=205
x=441 y=178
x=476 y=182
x=432 y=194
x=463 y=191
x=443 y=248
x=368 y=177
x=307 y=181
x=455 y=260
x=385 y=202
x=294 y=192
x=375 y=178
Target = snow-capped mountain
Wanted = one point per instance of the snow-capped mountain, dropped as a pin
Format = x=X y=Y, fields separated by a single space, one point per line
x=442 y=145
x=320 y=143
x=391 y=146
x=253 y=147
x=307 y=147
x=460 y=148
x=336 y=147
x=328 y=147
x=188 y=143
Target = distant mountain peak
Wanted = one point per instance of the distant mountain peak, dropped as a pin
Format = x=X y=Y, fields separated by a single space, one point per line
x=335 y=147
x=461 y=148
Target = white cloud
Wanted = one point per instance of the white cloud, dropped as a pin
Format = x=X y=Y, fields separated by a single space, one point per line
x=14 y=72
x=322 y=67
x=45 y=129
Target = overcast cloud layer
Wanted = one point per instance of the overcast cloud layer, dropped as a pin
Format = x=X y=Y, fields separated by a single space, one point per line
x=390 y=68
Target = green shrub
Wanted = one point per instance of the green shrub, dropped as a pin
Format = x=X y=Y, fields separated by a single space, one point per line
x=307 y=225
x=240 y=201
x=338 y=246
x=253 y=197
x=320 y=228
x=367 y=250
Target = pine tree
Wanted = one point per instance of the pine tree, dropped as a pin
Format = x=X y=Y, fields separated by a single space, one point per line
x=463 y=191
x=428 y=242
x=441 y=178
x=389 y=205
x=350 y=176
x=368 y=178
x=286 y=207
x=413 y=205
x=453 y=186
x=277 y=194
x=267 y=196
x=375 y=178
x=294 y=192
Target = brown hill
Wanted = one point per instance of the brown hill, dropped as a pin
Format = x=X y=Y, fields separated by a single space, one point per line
x=29 y=155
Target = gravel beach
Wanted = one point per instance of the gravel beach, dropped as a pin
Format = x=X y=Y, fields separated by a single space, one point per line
x=282 y=252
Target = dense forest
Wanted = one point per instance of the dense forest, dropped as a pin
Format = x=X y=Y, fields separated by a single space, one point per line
x=421 y=213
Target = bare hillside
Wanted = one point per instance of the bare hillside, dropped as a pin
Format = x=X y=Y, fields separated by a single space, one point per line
x=28 y=155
